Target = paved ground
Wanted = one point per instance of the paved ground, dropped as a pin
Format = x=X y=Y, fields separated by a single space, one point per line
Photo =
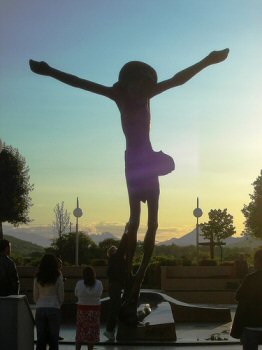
x=190 y=336
x=161 y=347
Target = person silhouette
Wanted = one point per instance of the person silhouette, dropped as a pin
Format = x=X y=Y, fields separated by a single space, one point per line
x=247 y=323
x=136 y=85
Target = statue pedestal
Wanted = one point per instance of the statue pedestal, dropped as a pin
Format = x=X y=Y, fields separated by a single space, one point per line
x=158 y=325
x=16 y=323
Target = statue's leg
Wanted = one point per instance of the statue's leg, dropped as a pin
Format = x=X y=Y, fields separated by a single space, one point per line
x=128 y=312
x=133 y=225
x=149 y=242
x=129 y=307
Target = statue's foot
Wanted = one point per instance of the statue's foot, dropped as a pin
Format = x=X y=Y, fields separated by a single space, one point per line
x=128 y=314
x=143 y=313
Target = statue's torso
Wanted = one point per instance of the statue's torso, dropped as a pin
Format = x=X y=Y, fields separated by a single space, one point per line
x=135 y=119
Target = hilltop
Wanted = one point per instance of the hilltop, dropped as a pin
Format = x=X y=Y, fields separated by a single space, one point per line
x=23 y=248
x=190 y=239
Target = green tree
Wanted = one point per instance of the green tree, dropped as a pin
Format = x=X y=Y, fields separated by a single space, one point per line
x=219 y=227
x=15 y=188
x=253 y=211
x=65 y=246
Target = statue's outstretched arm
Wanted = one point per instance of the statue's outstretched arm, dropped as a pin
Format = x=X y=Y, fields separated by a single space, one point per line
x=44 y=69
x=188 y=73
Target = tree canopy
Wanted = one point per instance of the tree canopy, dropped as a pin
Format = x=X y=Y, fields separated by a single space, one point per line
x=15 y=188
x=219 y=227
x=253 y=211
x=65 y=247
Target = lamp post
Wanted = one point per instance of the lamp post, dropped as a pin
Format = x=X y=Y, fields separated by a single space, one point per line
x=77 y=213
x=197 y=213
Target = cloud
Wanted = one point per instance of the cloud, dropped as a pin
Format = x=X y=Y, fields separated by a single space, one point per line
x=117 y=230
x=44 y=234
x=41 y=235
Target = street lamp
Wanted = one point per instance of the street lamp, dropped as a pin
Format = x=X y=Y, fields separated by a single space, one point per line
x=197 y=213
x=77 y=213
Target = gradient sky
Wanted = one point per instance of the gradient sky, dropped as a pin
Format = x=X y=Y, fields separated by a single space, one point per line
x=72 y=140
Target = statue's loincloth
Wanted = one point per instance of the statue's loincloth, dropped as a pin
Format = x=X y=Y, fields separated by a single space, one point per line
x=142 y=171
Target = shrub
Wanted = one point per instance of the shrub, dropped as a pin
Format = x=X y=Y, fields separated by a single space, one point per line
x=227 y=263
x=153 y=276
x=208 y=262
x=99 y=262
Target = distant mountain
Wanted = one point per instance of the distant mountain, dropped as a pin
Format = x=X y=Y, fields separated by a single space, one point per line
x=43 y=236
x=97 y=238
x=190 y=239
x=187 y=239
x=40 y=235
x=23 y=248
x=244 y=242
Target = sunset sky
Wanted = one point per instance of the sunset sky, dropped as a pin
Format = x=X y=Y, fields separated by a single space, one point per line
x=72 y=140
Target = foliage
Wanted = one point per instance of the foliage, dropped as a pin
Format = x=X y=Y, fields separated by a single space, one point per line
x=62 y=219
x=166 y=261
x=185 y=253
x=253 y=211
x=208 y=262
x=15 y=188
x=153 y=276
x=164 y=255
x=220 y=226
x=65 y=247
x=27 y=260
x=99 y=262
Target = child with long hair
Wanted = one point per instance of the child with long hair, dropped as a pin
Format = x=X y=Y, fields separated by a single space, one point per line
x=48 y=293
x=88 y=292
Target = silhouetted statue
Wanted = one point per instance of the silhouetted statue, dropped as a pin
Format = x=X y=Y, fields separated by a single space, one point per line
x=136 y=85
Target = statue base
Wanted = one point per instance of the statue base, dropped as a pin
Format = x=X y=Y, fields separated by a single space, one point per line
x=159 y=325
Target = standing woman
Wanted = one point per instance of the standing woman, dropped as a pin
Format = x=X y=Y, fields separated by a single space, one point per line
x=88 y=292
x=48 y=293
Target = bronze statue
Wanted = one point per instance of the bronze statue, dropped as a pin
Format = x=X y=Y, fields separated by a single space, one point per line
x=136 y=85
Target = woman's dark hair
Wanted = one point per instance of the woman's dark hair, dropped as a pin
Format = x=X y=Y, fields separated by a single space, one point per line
x=48 y=270
x=89 y=276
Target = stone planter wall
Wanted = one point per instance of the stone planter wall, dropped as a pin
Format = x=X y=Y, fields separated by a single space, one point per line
x=191 y=284
x=200 y=284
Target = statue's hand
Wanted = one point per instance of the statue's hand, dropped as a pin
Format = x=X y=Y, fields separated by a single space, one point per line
x=39 y=67
x=217 y=56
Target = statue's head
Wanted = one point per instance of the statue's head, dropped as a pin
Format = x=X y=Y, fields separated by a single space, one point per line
x=136 y=70
x=137 y=74
x=111 y=251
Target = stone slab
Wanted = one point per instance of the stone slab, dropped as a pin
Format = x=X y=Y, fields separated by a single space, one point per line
x=158 y=325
